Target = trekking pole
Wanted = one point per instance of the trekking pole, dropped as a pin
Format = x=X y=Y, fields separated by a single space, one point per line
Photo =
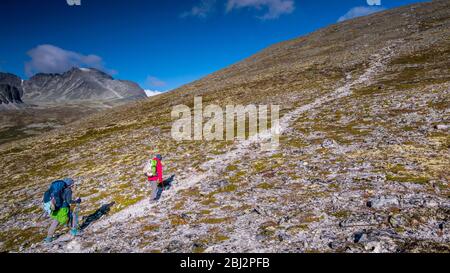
x=75 y=215
x=40 y=217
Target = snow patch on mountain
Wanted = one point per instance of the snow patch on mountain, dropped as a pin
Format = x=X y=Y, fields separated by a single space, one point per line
x=151 y=93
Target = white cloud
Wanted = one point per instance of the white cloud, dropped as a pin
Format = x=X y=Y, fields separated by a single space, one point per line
x=53 y=59
x=154 y=82
x=151 y=93
x=359 y=11
x=202 y=10
x=274 y=8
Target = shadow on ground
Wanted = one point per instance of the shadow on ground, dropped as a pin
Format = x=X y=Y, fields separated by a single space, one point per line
x=167 y=183
x=103 y=210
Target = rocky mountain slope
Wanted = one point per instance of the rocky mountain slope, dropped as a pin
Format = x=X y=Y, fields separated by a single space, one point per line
x=48 y=101
x=12 y=80
x=79 y=84
x=362 y=164
x=9 y=94
x=11 y=91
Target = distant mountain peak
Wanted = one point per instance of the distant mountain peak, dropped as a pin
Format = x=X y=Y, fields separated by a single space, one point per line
x=76 y=84
x=10 y=94
x=11 y=90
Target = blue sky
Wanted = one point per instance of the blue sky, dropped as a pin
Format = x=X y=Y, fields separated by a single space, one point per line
x=158 y=44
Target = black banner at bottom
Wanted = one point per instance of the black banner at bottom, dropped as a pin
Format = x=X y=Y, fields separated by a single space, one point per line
x=128 y=263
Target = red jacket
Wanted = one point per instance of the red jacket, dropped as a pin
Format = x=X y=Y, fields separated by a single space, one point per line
x=159 y=172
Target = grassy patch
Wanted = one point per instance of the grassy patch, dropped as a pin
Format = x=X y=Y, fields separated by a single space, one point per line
x=125 y=201
x=297 y=228
x=265 y=186
x=213 y=221
x=150 y=228
x=15 y=238
x=176 y=220
x=236 y=178
x=397 y=168
x=341 y=214
x=261 y=166
x=210 y=200
x=231 y=168
x=178 y=206
x=408 y=179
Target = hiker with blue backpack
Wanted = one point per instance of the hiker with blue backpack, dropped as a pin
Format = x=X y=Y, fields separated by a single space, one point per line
x=153 y=169
x=57 y=204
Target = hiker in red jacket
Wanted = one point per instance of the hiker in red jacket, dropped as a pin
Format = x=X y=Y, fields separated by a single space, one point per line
x=154 y=171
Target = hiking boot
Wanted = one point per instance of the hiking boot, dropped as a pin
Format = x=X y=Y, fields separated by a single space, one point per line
x=75 y=232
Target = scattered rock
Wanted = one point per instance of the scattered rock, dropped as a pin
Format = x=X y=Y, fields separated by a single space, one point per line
x=359 y=237
x=373 y=246
x=73 y=247
x=383 y=201
x=256 y=211
x=442 y=127
x=397 y=220
x=174 y=246
x=329 y=143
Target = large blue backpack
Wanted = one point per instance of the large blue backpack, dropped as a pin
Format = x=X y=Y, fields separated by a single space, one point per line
x=54 y=195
